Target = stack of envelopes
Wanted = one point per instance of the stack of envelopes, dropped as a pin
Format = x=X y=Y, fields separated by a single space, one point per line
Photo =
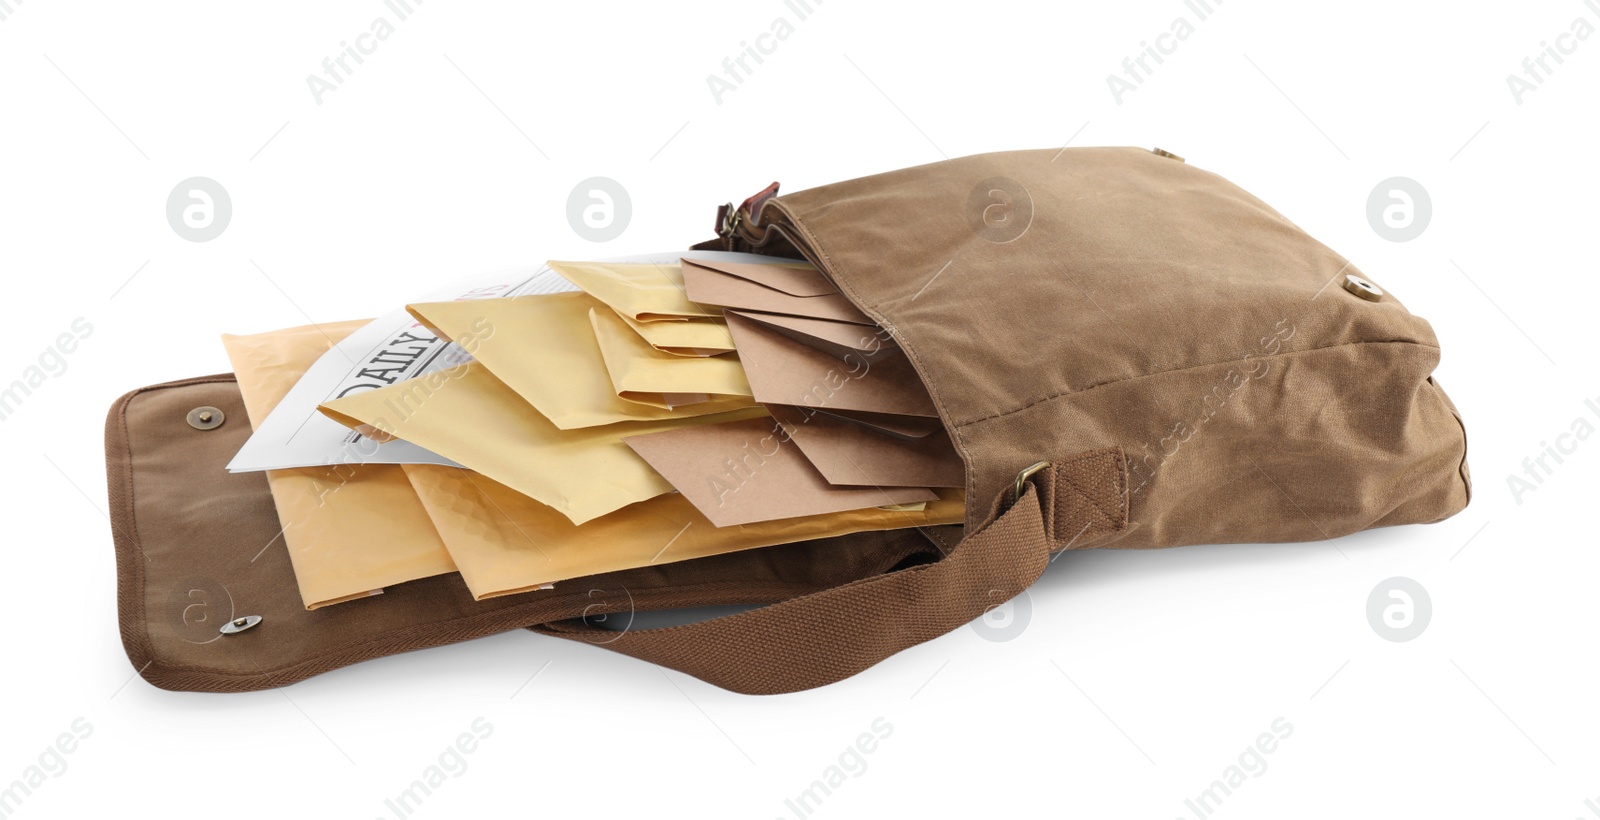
x=662 y=413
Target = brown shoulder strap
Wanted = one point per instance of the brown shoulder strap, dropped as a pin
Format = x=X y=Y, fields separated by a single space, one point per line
x=817 y=639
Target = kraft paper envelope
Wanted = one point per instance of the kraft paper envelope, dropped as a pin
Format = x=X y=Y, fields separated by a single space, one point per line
x=468 y=416
x=642 y=374
x=901 y=427
x=762 y=288
x=506 y=542
x=350 y=530
x=646 y=292
x=793 y=276
x=850 y=455
x=782 y=371
x=743 y=472
x=544 y=348
x=695 y=337
x=838 y=339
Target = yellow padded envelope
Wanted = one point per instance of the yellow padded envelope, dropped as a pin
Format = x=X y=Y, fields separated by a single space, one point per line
x=544 y=348
x=640 y=373
x=468 y=416
x=350 y=530
x=505 y=542
x=706 y=337
x=646 y=292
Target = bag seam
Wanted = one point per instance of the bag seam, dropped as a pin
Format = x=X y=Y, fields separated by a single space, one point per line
x=1170 y=371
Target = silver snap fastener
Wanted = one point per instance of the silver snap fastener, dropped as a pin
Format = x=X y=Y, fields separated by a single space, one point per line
x=205 y=418
x=1362 y=288
x=238 y=625
x=1162 y=152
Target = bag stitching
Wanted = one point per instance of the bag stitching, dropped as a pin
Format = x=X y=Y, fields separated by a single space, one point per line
x=1095 y=501
x=1282 y=355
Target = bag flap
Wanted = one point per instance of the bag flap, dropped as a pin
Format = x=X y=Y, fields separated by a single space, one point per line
x=197 y=547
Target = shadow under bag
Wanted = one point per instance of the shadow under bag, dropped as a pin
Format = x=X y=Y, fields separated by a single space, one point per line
x=1127 y=351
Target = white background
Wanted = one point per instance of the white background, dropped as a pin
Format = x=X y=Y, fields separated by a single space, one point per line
x=1139 y=676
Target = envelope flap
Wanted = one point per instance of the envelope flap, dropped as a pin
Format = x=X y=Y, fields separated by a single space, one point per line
x=742 y=472
x=649 y=292
x=795 y=278
x=851 y=455
x=782 y=371
x=708 y=286
x=837 y=338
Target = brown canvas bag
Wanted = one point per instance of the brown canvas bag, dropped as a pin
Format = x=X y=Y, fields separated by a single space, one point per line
x=1128 y=352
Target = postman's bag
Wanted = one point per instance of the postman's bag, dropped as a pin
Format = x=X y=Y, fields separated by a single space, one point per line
x=1127 y=351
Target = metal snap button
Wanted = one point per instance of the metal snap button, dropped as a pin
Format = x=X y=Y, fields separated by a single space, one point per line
x=205 y=418
x=1162 y=152
x=1362 y=288
x=238 y=625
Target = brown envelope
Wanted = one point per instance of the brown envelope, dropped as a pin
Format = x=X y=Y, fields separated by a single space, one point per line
x=837 y=339
x=350 y=530
x=901 y=427
x=851 y=455
x=782 y=371
x=769 y=288
x=506 y=542
x=743 y=472
x=794 y=277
